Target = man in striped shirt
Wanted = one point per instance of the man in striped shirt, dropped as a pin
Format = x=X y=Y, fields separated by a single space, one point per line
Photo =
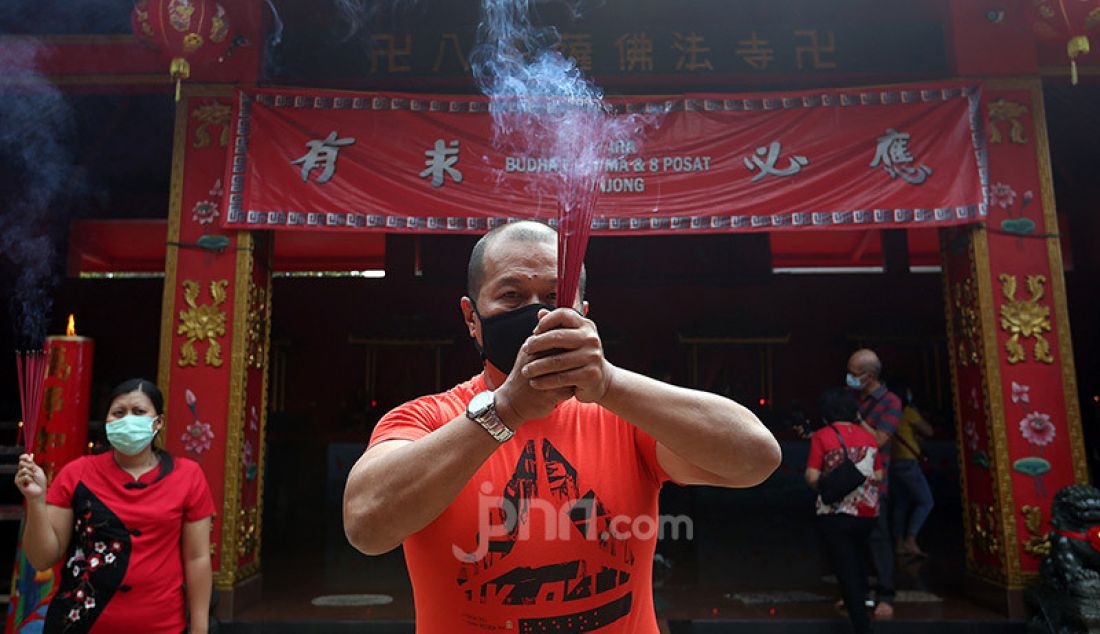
x=880 y=410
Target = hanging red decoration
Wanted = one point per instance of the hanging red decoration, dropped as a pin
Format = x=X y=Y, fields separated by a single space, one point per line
x=186 y=31
x=1070 y=21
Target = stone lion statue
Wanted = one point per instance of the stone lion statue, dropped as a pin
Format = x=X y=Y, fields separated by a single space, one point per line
x=1067 y=598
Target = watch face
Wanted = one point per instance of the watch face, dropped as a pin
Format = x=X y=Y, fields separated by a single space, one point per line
x=480 y=403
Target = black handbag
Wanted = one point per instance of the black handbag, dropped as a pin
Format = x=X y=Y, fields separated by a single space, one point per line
x=838 y=483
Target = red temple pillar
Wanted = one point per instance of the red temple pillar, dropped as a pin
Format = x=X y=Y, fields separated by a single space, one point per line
x=214 y=339
x=1017 y=412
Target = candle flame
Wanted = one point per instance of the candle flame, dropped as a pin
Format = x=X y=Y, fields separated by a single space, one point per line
x=70 y=330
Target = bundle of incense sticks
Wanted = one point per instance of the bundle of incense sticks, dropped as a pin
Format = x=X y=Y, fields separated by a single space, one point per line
x=574 y=225
x=31 y=369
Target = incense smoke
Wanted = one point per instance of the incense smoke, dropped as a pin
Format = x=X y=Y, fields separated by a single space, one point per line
x=358 y=14
x=36 y=130
x=542 y=105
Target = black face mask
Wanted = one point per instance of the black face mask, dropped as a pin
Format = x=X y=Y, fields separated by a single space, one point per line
x=503 y=335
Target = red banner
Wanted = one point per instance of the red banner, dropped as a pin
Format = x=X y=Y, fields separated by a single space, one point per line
x=846 y=158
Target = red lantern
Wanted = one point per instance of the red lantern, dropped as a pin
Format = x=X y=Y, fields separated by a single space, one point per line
x=187 y=31
x=1067 y=20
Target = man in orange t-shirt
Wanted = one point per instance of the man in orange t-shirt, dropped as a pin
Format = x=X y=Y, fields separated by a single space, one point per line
x=526 y=497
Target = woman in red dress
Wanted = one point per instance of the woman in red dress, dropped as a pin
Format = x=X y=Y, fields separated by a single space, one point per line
x=131 y=526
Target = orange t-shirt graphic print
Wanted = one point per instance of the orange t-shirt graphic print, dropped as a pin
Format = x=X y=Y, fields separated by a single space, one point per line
x=554 y=533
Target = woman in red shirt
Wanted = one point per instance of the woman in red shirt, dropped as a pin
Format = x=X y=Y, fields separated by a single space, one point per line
x=131 y=526
x=846 y=525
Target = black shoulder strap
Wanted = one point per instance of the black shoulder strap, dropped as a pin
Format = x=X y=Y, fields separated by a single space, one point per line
x=832 y=426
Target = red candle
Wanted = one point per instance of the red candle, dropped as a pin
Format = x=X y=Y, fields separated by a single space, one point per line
x=64 y=423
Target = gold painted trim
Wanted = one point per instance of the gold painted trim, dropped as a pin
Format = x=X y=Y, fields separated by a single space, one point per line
x=995 y=414
x=91 y=80
x=269 y=251
x=1058 y=288
x=235 y=419
x=971 y=562
x=171 y=255
x=1064 y=71
x=106 y=39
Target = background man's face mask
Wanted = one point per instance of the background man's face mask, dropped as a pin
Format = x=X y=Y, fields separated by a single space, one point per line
x=503 y=335
x=853 y=381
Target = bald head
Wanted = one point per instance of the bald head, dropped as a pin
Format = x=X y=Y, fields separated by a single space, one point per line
x=865 y=361
x=521 y=231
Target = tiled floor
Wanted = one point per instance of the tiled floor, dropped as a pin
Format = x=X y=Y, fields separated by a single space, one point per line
x=754 y=558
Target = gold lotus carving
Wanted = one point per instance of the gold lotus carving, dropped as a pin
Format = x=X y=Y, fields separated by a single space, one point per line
x=965 y=301
x=1038 y=544
x=212 y=115
x=202 y=323
x=1025 y=319
x=1002 y=110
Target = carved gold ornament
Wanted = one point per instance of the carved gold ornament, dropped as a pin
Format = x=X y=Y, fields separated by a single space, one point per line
x=1010 y=111
x=202 y=322
x=212 y=114
x=257 y=325
x=965 y=300
x=247 y=535
x=1038 y=544
x=192 y=42
x=1025 y=319
x=218 y=26
x=985 y=528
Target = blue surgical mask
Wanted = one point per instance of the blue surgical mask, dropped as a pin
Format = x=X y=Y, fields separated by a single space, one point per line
x=853 y=381
x=131 y=434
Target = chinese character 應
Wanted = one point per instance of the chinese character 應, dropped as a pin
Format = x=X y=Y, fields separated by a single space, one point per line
x=765 y=158
x=692 y=51
x=635 y=49
x=892 y=153
x=440 y=162
x=322 y=153
x=756 y=52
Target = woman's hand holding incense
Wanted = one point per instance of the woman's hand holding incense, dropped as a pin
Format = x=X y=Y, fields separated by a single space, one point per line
x=30 y=478
x=566 y=352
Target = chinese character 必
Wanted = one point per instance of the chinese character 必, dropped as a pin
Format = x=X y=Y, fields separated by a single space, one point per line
x=322 y=153
x=765 y=158
x=893 y=154
x=441 y=160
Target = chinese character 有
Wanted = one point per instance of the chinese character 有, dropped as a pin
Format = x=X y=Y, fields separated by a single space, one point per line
x=765 y=159
x=322 y=153
x=440 y=162
x=892 y=153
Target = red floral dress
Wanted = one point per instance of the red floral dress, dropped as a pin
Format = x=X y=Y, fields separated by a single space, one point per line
x=124 y=568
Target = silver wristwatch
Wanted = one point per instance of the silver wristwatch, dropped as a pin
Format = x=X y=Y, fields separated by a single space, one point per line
x=483 y=411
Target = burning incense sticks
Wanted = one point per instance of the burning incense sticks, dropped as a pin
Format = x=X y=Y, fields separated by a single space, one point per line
x=31 y=369
x=574 y=225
